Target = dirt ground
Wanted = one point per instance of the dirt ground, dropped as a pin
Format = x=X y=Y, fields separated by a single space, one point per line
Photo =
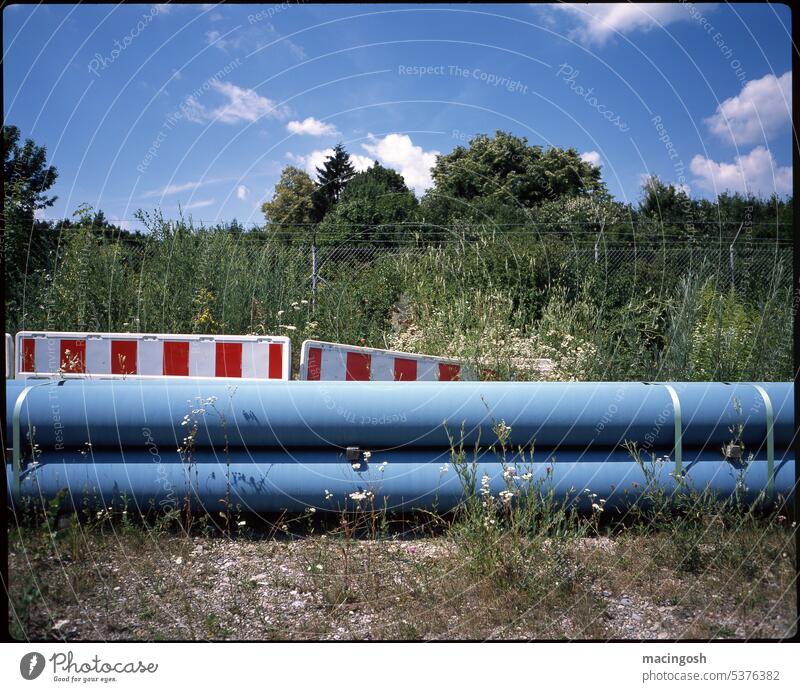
x=138 y=584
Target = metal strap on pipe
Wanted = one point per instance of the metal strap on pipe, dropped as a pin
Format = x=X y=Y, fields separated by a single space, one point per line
x=676 y=409
x=16 y=439
x=770 y=438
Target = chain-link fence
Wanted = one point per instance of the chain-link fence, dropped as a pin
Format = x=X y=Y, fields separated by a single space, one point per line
x=645 y=294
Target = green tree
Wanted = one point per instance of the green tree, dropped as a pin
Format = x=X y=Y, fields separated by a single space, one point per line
x=291 y=208
x=26 y=244
x=373 y=208
x=332 y=178
x=507 y=169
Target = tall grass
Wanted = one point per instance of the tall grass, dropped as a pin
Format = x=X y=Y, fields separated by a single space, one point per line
x=502 y=303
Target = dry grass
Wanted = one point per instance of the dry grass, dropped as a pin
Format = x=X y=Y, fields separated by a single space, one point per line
x=116 y=579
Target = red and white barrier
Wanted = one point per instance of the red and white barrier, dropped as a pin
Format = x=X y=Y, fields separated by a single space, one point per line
x=320 y=360
x=9 y=357
x=82 y=354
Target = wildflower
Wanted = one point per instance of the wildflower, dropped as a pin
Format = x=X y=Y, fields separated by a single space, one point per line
x=304 y=302
x=241 y=523
x=596 y=507
x=312 y=509
x=280 y=312
x=284 y=527
x=444 y=469
x=356 y=466
x=178 y=560
x=328 y=494
x=367 y=455
x=527 y=476
x=319 y=567
x=506 y=496
x=382 y=467
x=509 y=473
x=358 y=496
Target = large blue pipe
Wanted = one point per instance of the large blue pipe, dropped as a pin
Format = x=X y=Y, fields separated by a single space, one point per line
x=271 y=480
x=286 y=441
x=392 y=414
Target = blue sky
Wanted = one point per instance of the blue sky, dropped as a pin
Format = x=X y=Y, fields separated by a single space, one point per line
x=145 y=106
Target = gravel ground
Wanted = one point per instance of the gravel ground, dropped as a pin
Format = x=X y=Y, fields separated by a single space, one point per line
x=136 y=585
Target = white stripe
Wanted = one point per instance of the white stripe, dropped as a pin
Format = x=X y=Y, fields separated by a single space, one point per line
x=334 y=365
x=150 y=357
x=98 y=356
x=202 y=359
x=382 y=368
x=255 y=359
x=47 y=357
x=427 y=370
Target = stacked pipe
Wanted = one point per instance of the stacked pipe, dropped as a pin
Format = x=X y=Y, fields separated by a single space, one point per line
x=268 y=446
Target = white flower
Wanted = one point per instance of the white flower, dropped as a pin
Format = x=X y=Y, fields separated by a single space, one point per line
x=312 y=509
x=509 y=473
x=527 y=476
x=506 y=496
x=358 y=496
x=596 y=507
x=444 y=469
x=241 y=523
x=319 y=567
x=328 y=494
x=367 y=455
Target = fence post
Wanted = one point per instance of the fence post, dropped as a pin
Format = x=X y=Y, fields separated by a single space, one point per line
x=730 y=256
x=313 y=268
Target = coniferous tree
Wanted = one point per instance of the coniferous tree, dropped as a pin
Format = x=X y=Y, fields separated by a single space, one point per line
x=332 y=177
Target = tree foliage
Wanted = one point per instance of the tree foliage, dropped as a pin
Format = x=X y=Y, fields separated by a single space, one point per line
x=292 y=206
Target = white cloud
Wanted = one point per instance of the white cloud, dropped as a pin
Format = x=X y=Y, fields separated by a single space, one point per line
x=410 y=160
x=756 y=172
x=597 y=22
x=592 y=157
x=243 y=105
x=310 y=162
x=762 y=103
x=311 y=126
x=200 y=203
x=175 y=188
x=395 y=151
x=242 y=192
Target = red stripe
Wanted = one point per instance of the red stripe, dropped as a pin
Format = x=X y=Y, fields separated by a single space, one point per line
x=275 y=371
x=448 y=372
x=75 y=360
x=28 y=355
x=405 y=369
x=229 y=360
x=176 y=358
x=123 y=357
x=314 y=363
x=357 y=367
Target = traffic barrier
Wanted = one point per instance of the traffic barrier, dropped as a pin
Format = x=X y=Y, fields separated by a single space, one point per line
x=9 y=357
x=83 y=354
x=322 y=360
